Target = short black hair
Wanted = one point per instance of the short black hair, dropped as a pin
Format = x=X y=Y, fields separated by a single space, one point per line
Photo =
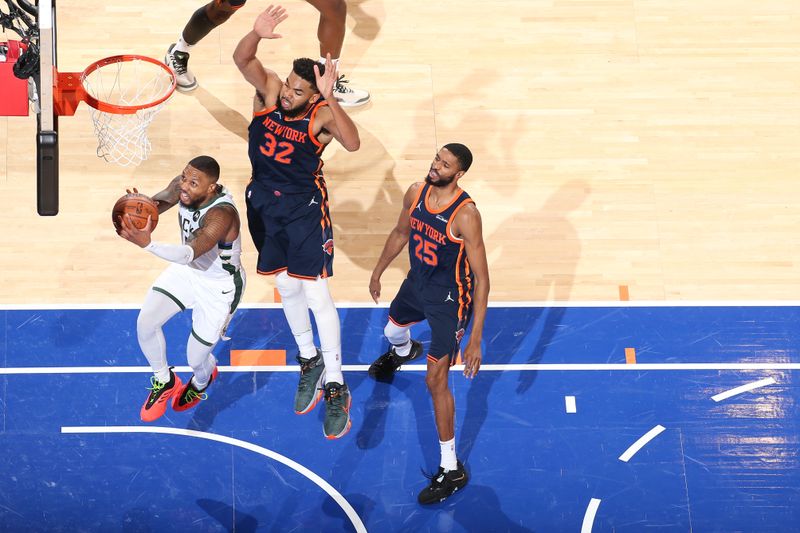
x=304 y=67
x=462 y=153
x=207 y=165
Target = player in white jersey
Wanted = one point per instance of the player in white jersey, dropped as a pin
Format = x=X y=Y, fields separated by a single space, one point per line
x=205 y=276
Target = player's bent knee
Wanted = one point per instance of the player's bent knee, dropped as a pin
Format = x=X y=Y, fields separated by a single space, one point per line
x=287 y=286
x=318 y=295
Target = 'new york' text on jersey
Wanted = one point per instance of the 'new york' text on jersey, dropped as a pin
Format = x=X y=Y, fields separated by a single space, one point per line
x=436 y=255
x=284 y=153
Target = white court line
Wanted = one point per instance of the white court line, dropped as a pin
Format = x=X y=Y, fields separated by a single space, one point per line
x=370 y=305
x=744 y=388
x=588 y=518
x=639 y=444
x=558 y=367
x=569 y=402
x=324 y=485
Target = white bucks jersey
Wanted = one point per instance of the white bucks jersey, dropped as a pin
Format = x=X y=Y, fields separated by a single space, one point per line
x=219 y=262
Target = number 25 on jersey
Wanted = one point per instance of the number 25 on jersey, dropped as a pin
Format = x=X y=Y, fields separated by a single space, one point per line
x=425 y=251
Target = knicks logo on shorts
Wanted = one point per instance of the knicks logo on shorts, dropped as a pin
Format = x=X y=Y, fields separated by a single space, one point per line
x=460 y=334
x=327 y=246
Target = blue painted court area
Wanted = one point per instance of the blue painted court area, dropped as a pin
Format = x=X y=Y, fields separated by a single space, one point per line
x=77 y=457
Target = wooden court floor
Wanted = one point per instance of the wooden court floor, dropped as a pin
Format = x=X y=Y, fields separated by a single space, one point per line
x=639 y=147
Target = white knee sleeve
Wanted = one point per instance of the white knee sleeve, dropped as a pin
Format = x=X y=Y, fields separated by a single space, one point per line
x=295 y=307
x=397 y=335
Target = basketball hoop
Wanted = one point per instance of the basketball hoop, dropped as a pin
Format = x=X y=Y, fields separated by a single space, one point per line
x=126 y=93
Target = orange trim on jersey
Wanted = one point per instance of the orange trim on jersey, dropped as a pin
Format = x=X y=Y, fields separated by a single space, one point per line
x=398 y=324
x=416 y=200
x=431 y=211
x=461 y=302
x=265 y=111
x=271 y=272
x=311 y=135
x=448 y=231
x=300 y=276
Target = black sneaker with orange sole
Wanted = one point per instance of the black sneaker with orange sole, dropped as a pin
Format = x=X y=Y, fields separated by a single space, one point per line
x=189 y=396
x=160 y=393
x=443 y=485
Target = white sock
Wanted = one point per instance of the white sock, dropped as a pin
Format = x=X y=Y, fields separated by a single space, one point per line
x=182 y=46
x=163 y=375
x=334 y=61
x=295 y=307
x=449 y=461
x=403 y=350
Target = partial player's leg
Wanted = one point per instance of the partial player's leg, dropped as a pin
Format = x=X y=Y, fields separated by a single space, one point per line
x=451 y=475
x=216 y=301
x=337 y=395
x=310 y=260
x=448 y=320
x=161 y=304
x=312 y=366
x=405 y=310
x=200 y=24
x=330 y=31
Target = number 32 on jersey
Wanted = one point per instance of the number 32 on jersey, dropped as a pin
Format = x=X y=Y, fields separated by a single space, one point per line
x=279 y=151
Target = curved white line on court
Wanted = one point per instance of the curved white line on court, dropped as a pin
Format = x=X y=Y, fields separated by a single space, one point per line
x=744 y=388
x=639 y=444
x=588 y=518
x=324 y=485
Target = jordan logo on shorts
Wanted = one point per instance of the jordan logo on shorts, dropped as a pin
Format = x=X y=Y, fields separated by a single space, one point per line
x=312 y=202
x=449 y=298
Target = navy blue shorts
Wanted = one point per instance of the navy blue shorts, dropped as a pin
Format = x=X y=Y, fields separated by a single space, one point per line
x=439 y=306
x=291 y=232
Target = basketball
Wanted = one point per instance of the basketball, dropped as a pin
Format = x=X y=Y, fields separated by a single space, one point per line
x=139 y=207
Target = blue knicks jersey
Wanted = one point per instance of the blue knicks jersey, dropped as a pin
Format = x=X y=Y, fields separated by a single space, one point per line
x=284 y=153
x=436 y=255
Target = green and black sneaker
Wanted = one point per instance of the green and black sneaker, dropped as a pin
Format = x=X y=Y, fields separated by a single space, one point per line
x=337 y=410
x=309 y=389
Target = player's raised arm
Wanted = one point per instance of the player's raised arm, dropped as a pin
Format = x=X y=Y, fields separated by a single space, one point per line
x=245 y=54
x=169 y=196
x=338 y=122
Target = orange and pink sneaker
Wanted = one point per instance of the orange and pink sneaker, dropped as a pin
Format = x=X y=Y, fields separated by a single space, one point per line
x=156 y=404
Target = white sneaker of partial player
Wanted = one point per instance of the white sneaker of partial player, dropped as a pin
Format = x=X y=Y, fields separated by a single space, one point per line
x=178 y=63
x=348 y=96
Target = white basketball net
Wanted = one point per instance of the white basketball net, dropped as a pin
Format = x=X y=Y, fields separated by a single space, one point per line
x=122 y=138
